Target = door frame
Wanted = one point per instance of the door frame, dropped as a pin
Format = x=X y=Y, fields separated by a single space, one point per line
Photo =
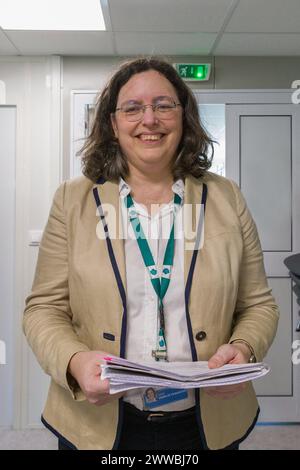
x=244 y=96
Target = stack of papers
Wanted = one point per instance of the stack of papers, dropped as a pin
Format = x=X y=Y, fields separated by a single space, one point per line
x=125 y=375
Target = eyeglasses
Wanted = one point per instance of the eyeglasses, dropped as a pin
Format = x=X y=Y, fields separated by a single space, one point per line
x=164 y=109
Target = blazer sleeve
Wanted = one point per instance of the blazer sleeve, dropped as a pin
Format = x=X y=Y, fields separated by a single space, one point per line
x=47 y=321
x=256 y=313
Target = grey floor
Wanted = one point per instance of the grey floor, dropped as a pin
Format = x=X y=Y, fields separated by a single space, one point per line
x=262 y=437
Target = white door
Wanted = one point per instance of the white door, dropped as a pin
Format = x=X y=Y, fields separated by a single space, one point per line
x=263 y=157
x=7 y=261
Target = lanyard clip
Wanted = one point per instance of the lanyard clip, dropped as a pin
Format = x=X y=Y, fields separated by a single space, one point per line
x=160 y=355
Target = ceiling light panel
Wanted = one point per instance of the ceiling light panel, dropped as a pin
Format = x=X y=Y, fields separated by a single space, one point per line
x=51 y=15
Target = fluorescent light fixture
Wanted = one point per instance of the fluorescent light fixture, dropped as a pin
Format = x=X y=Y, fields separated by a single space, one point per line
x=52 y=15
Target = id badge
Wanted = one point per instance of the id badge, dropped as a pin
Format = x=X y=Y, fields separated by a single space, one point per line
x=154 y=398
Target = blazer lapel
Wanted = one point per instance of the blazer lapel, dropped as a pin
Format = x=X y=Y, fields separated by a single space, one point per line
x=192 y=205
x=109 y=197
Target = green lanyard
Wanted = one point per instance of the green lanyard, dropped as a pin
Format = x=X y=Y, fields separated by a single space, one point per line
x=160 y=285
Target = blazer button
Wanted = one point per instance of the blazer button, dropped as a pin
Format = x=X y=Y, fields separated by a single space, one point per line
x=200 y=336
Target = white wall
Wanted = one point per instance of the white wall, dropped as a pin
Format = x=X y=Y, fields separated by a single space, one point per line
x=33 y=86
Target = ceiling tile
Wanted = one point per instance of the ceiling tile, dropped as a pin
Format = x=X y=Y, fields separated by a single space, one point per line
x=63 y=42
x=6 y=47
x=259 y=44
x=168 y=15
x=164 y=43
x=267 y=16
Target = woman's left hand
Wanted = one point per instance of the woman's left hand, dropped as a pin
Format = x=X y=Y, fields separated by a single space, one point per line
x=237 y=353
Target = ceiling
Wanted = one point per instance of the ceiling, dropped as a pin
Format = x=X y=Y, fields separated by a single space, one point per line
x=173 y=27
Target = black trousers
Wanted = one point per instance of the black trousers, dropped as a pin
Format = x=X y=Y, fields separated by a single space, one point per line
x=144 y=431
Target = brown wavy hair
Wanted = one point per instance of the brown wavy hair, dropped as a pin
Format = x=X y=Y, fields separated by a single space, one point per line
x=101 y=153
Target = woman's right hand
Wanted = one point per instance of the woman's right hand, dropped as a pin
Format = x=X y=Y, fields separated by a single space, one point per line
x=86 y=370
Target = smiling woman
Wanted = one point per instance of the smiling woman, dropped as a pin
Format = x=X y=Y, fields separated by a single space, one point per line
x=149 y=143
x=154 y=297
x=102 y=153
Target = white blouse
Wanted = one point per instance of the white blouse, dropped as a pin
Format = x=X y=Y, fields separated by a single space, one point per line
x=142 y=301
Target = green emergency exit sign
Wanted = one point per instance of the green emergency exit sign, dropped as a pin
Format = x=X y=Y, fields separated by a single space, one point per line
x=193 y=72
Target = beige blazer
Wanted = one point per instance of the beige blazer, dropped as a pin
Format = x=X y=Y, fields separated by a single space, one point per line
x=78 y=303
